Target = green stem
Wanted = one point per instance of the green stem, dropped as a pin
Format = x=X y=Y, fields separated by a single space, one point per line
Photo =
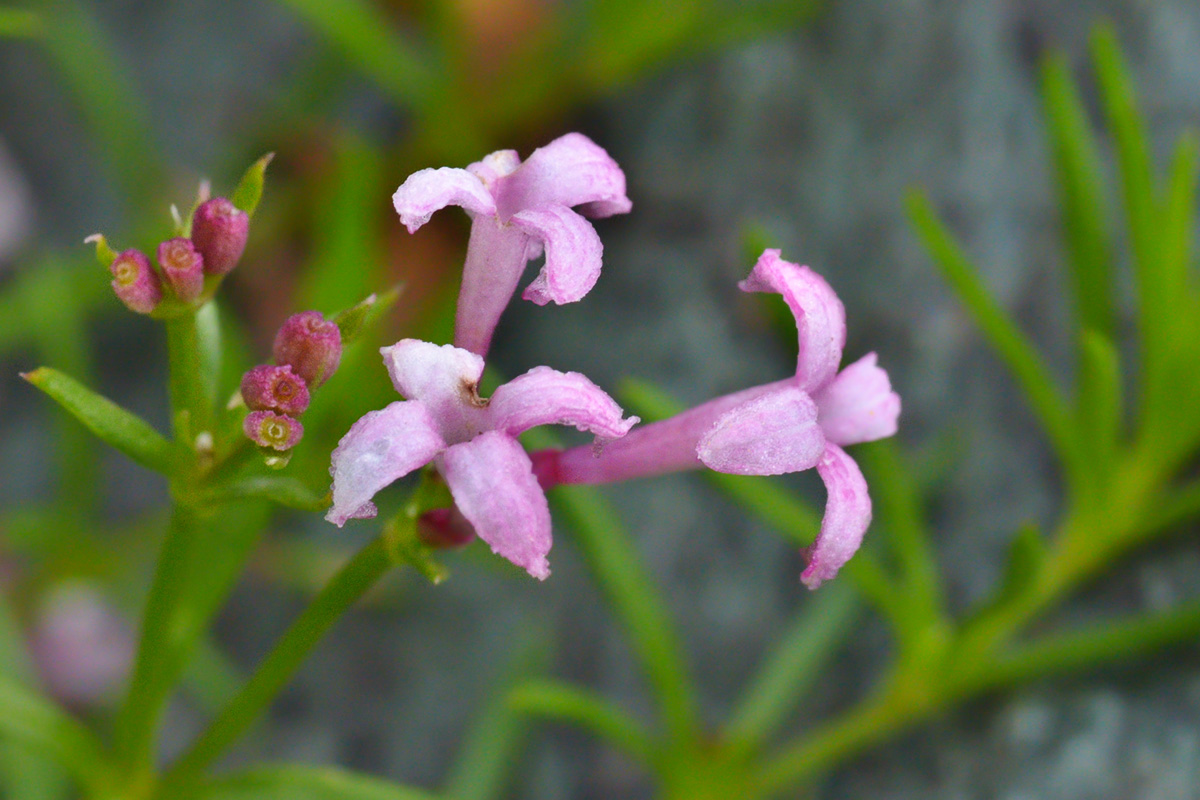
x=350 y=584
x=190 y=413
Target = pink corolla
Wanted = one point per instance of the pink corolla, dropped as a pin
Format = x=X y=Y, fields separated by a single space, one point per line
x=470 y=440
x=520 y=210
x=787 y=426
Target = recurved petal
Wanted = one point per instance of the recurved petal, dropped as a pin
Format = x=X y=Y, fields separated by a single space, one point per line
x=545 y=396
x=492 y=481
x=573 y=254
x=769 y=435
x=847 y=515
x=820 y=316
x=572 y=170
x=430 y=190
x=383 y=446
x=859 y=404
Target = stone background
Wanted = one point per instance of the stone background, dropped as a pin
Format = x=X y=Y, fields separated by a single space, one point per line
x=814 y=135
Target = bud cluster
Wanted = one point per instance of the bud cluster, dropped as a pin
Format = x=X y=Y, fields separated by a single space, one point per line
x=217 y=239
x=307 y=351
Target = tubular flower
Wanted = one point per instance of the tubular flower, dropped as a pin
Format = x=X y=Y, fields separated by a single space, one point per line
x=472 y=442
x=518 y=211
x=787 y=426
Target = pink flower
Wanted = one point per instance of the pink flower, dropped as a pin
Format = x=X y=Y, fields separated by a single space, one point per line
x=787 y=426
x=472 y=442
x=83 y=650
x=518 y=211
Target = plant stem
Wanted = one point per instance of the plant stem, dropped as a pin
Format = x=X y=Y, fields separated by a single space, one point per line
x=350 y=584
x=190 y=413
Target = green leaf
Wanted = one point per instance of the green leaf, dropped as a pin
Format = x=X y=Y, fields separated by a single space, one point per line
x=1027 y=555
x=618 y=569
x=1081 y=196
x=353 y=321
x=249 y=190
x=491 y=748
x=281 y=489
x=1003 y=335
x=560 y=702
x=108 y=421
x=793 y=667
x=33 y=721
x=295 y=782
x=1099 y=403
x=104 y=254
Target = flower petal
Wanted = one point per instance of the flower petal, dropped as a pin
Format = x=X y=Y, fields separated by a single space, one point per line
x=847 y=515
x=820 y=316
x=383 y=446
x=571 y=171
x=442 y=378
x=573 y=254
x=491 y=479
x=769 y=435
x=545 y=396
x=859 y=404
x=496 y=258
x=430 y=190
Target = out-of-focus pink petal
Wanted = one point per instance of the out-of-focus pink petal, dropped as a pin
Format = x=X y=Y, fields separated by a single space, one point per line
x=496 y=257
x=383 y=446
x=430 y=190
x=444 y=379
x=859 y=404
x=573 y=254
x=545 y=396
x=491 y=479
x=820 y=316
x=572 y=170
x=769 y=435
x=495 y=166
x=847 y=515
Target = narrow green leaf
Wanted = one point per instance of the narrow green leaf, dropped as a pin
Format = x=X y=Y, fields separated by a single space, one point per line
x=1003 y=335
x=250 y=188
x=491 y=748
x=561 y=702
x=110 y=101
x=365 y=38
x=33 y=721
x=296 y=782
x=353 y=321
x=281 y=489
x=622 y=576
x=1081 y=196
x=1179 y=216
x=353 y=580
x=793 y=667
x=899 y=506
x=1099 y=402
x=19 y=23
x=108 y=421
x=104 y=253
x=1100 y=643
x=1024 y=564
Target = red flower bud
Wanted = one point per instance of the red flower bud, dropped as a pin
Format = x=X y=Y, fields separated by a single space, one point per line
x=311 y=345
x=219 y=231
x=444 y=528
x=275 y=431
x=271 y=388
x=135 y=281
x=183 y=268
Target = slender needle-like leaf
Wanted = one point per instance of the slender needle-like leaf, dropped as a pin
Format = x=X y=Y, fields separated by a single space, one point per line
x=296 y=782
x=562 y=702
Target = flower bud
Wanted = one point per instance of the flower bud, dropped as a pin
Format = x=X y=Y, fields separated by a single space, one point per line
x=135 y=281
x=312 y=346
x=444 y=529
x=274 y=431
x=183 y=267
x=271 y=388
x=219 y=231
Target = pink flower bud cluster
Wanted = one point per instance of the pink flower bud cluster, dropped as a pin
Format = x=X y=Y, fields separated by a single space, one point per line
x=219 y=231
x=307 y=351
